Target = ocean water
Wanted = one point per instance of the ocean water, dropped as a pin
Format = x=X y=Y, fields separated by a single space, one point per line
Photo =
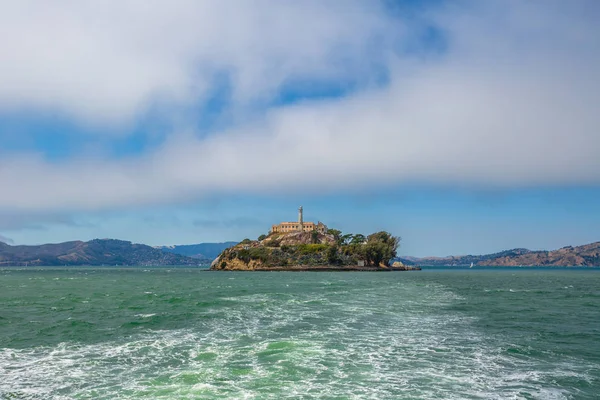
x=185 y=334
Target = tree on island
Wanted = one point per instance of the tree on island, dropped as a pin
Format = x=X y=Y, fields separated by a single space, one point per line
x=380 y=248
x=332 y=255
x=358 y=239
x=337 y=235
x=377 y=249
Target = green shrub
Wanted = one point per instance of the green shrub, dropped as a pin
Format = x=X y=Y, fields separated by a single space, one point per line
x=277 y=258
x=312 y=248
x=332 y=255
x=244 y=255
x=262 y=237
x=352 y=250
x=259 y=253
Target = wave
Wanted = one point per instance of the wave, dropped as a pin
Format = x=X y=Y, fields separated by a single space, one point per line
x=391 y=340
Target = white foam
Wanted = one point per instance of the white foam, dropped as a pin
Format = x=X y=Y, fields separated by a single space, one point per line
x=354 y=345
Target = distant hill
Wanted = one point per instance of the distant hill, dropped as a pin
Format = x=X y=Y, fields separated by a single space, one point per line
x=587 y=255
x=95 y=253
x=208 y=251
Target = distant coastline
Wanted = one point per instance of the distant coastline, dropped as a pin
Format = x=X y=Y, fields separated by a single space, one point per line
x=118 y=253
x=587 y=255
x=97 y=253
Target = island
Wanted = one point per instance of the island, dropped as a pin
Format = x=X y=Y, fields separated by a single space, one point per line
x=308 y=246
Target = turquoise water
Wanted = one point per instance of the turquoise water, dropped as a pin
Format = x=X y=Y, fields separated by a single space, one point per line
x=182 y=334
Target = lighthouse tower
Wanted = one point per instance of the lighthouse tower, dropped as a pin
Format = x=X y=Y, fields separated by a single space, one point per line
x=300 y=220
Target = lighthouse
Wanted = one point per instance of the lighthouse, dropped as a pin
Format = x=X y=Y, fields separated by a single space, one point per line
x=300 y=220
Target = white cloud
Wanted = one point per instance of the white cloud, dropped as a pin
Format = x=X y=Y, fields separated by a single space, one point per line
x=107 y=62
x=512 y=102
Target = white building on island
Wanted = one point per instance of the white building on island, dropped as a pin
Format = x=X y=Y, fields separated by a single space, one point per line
x=299 y=226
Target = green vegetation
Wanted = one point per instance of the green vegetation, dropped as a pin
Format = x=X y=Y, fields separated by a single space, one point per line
x=346 y=239
x=311 y=248
x=316 y=249
x=380 y=248
x=259 y=253
x=243 y=255
x=332 y=255
x=273 y=243
x=336 y=233
x=359 y=239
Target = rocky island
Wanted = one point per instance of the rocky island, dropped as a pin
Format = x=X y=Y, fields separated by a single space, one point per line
x=306 y=246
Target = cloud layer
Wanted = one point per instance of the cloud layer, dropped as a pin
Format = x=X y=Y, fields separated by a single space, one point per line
x=512 y=100
x=107 y=62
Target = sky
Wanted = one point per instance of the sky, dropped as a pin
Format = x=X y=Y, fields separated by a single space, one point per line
x=465 y=127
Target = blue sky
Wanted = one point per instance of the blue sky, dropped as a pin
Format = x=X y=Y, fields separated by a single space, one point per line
x=463 y=126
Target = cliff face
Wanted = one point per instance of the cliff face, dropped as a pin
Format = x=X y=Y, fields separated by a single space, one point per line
x=94 y=252
x=587 y=255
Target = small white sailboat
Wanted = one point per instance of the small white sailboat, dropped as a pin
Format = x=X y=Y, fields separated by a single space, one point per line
x=471 y=265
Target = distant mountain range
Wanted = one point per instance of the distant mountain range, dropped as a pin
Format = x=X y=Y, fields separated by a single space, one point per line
x=208 y=251
x=587 y=255
x=123 y=253
x=95 y=252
